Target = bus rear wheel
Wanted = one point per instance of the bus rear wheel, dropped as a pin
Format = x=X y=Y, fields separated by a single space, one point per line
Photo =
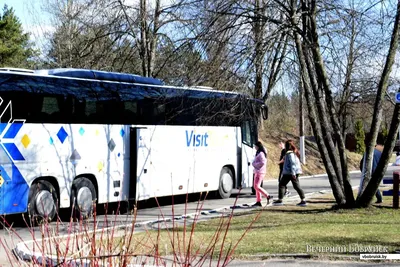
x=226 y=183
x=83 y=197
x=43 y=202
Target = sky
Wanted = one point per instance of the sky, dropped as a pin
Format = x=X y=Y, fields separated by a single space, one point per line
x=32 y=18
x=21 y=9
x=35 y=21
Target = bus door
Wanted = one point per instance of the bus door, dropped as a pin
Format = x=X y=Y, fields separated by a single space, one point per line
x=247 y=155
x=140 y=182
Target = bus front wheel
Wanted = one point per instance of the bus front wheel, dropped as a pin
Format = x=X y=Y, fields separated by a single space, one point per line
x=43 y=201
x=225 y=183
x=83 y=197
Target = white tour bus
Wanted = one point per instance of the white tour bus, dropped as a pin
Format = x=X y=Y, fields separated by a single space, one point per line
x=82 y=135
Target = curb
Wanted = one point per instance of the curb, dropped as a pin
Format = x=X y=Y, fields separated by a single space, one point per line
x=22 y=252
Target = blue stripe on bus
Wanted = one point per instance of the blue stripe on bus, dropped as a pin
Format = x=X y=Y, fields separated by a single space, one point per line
x=15 y=192
x=2 y=127
x=4 y=174
x=13 y=151
x=13 y=130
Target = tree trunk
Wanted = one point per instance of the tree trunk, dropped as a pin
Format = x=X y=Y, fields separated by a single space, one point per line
x=321 y=72
x=377 y=117
x=153 y=39
x=365 y=199
x=259 y=55
x=308 y=77
x=143 y=36
x=276 y=64
x=347 y=82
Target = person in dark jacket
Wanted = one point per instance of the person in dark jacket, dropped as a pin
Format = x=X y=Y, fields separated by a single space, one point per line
x=280 y=163
x=291 y=171
x=376 y=157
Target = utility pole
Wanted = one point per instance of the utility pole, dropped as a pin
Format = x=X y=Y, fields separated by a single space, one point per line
x=301 y=122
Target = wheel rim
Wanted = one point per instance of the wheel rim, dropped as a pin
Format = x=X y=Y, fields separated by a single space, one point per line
x=227 y=183
x=44 y=203
x=84 y=200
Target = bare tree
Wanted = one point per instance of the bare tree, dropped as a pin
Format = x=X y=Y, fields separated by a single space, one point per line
x=320 y=99
x=243 y=47
x=369 y=188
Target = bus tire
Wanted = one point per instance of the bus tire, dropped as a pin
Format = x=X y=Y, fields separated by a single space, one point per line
x=226 y=183
x=83 y=198
x=43 y=202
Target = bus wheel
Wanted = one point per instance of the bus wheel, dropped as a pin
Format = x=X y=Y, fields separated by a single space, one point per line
x=83 y=197
x=225 y=183
x=43 y=202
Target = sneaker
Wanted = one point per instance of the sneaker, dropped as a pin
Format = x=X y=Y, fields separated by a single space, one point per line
x=302 y=203
x=378 y=202
x=269 y=198
x=257 y=204
x=278 y=202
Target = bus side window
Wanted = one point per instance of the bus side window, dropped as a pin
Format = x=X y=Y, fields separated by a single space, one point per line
x=183 y=111
x=145 y=111
x=159 y=114
x=13 y=106
x=247 y=136
x=104 y=112
x=35 y=113
x=129 y=115
x=78 y=112
x=53 y=106
x=90 y=111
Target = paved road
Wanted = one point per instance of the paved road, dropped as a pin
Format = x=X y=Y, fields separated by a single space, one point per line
x=150 y=211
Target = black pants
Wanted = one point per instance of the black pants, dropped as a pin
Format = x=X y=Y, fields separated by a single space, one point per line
x=280 y=175
x=286 y=178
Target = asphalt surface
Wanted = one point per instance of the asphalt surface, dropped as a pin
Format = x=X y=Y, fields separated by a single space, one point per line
x=150 y=212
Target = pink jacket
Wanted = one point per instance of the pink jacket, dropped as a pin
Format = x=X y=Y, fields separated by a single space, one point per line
x=260 y=163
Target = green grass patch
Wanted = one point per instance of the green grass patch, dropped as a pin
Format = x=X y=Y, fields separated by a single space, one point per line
x=317 y=229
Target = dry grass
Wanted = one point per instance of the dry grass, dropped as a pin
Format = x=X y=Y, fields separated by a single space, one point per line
x=314 y=164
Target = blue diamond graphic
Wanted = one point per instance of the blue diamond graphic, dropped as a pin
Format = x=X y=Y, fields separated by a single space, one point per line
x=62 y=134
x=122 y=132
x=81 y=131
x=51 y=141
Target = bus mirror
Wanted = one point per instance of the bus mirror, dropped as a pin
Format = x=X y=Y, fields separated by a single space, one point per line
x=264 y=112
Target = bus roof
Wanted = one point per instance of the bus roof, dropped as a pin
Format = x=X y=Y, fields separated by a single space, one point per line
x=154 y=87
x=99 y=75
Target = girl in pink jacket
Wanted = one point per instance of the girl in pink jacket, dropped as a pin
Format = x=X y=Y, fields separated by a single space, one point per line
x=260 y=169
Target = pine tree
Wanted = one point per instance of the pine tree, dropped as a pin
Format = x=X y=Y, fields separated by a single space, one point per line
x=15 y=48
x=360 y=137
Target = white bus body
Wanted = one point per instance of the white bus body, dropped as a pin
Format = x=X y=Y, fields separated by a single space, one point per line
x=116 y=162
